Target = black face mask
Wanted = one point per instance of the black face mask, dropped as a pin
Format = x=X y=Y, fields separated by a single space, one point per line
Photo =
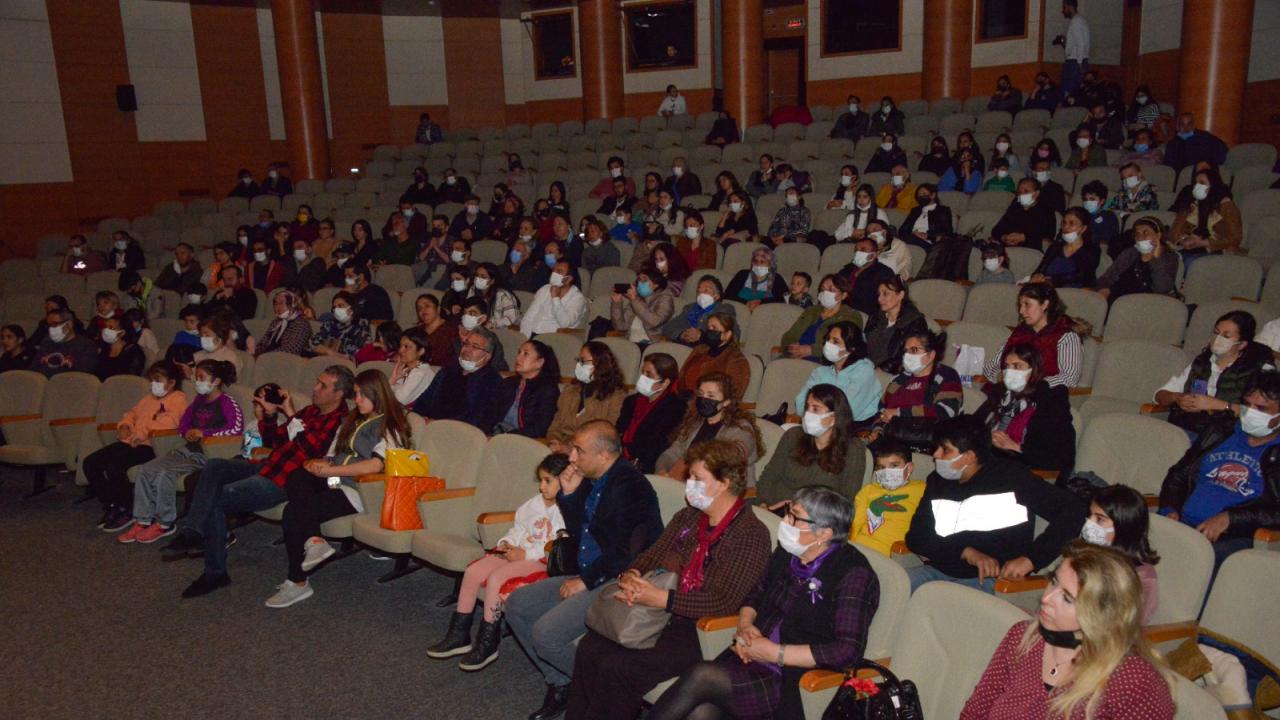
x=419 y=178
x=713 y=337
x=1060 y=638
x=707 y=407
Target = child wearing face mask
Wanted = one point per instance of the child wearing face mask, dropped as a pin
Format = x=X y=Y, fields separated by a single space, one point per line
x=995 y=265
x=1030 y=421
x=212 y=414
x=1119 y=519
x=883 y=508
x=161 y=409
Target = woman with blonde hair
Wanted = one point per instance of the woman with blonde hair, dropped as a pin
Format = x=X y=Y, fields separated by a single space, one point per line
x=1086 y=658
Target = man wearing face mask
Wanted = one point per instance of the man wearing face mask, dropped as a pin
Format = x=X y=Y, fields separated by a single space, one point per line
x=420 y=191
x=1007 y=97
x=246 y=187
x=865 y=275
x=463 y=392
x=63 y=350
x=276 y=183
x=302 y=269
x=458 y=260
x=417 y=225
x=558 y=304
x=370 y=301
x=976 y=520
x=1104 y=226
x=455 y=188
x=682 y=182
x=887 y=119
x=1028 y=222
x=1192 y=146
x=232 y=295
x=617 y=169
x=471 y=223
x=1227 y=485
x=183 y=273
x=853 y=123
x=1052 y=193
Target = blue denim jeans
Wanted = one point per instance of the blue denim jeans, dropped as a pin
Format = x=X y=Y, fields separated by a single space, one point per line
x=1072 y=75
x=547 y=627
x=227 y=486
x=928 y=573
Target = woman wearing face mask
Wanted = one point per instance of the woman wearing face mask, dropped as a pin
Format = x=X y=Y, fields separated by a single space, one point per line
x=717 y=351
x=1045 y=95
x=1206 y=220
x=596 y=393
x=488 y=285
x=963 y=175
x=1084 y=655
x=1028 y=419
x=843 y=195
x=597 y=251
x=342 y=331
x=290 y=331
x=644 y=308
x=845 y=365
x=1143 y=148
x=304 y=226
x=439 y=330
x=161 y=409
x=811 y=609
x=805 y=337
x=697 y=251
x=1145 y=267
x=1072 y=258
x=1047 y=149
x=127 y=254
x=760 y=283
x=1209 y=393
x=215 y=342
x=739 y=224
x=823 y=450
x=1003 y=149
x=1119 y=519
x=1143 y=112
x=1045 y=324
x=864 y=210
x=888 y=119
x=212 y=414
x=938 y=159
x=895 y=317
x=719 y=548
x=726 y=184
x=923 y=394
x=1088 y=151
x=887 y=156
x=793 y=222
x=714 y=413
x=457 y=291
x=412 y=373
x=965 y=141
x=650 y=412
x=118 y=353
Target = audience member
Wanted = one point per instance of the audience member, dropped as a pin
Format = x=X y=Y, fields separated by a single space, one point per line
x=760 y=283
x=714 y=413
x=687 y=324
x=1106 y=130
x=1029 y=222
x=739 y=224
x=118 y=353
x=343 y=331
x=1029 y=420
x=1000 y=181
x=1119 y=519
x=717 y=351
x=822 y=451
x=763 y=181
x=995 y=265
x=558 y=304
x=792 y=222
x=672 y=103
x=925 y=393
x=928 y=221
x=463 y=391
x=215 y=342
x=232 y=295
x=597 y=251
x=304 y=226
x=889 y=324
x=1088 y=151
x=883 y=508
x=807 y=335
x=1209 y=392
x=682 y=182
x=670 y=262
x=642 y=310
x=865 y=273
x=845 y=366
x=1191 y=146
x=182 y=274
x=427 y=132
x=617 y=168
x=1147 y=266
x=1071 y=260
x=245 y=187
x=454 y=189
x=596 y=393
x=289 y=331
x=852 y=124
x=471 y=223
x=842 y=198
x=15 y=351
x=1045 y=96
x=963 y=175
x=1006 y=97
x=649 y=414
x=798 y=291
x=63 y=348
x=1207 y=222
x=1045 y=324
x=525 y=402
x=863 y=211
x=1104 y=226
x=888 y=156
x=1143 y=148
x=1003 y=150
x=1137 y=194
x=261 y=272
x=276 y=183
x=724 y=131
x=126 y=253
x=81 y=259
x=889 y=121
x=1051 y=191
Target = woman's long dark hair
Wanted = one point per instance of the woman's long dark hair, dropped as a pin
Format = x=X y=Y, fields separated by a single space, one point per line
x=373 y=385
x=1043 y=292
x=853 y=341
x=606 y=378
x=550 y=372
x=1029 y=354
x=734 y=414
x=832 y=458
x=1128 y=512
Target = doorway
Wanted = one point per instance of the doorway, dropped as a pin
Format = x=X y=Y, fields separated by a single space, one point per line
x=784 y=72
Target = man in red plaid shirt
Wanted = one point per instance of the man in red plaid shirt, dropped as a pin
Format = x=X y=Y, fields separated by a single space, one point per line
x=240 y=486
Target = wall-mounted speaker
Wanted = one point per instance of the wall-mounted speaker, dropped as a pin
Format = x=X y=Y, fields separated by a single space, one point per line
x=126 y=99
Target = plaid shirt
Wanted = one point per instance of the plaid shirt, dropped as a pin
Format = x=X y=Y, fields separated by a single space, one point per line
x=288 y=455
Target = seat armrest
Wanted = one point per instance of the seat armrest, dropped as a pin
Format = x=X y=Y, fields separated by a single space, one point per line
x=64 y=422
x=1153 y=501
x=1153 y=408
x=715 y=633
x=793 y=419
x=571 y=331
x=495 y=518
x=1266 y=539
x=492 y=526
x=1027 y=584
x=108 y=427
x=167 y=432
x=223 y=440
x=902 y=555
x=1080 y=391
x=715 y=623
x=261 y=452
x=450 y=510
x=371 y=477
x=20 y=418
x=943 y=323
x=747 y=406
x=1049 y=475
x=1169 y=632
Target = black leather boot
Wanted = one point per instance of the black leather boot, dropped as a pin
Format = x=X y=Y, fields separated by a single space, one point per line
x=554 y=704
x=485 y=649
x=457 y=640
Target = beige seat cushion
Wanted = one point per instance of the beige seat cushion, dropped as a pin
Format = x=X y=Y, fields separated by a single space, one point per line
x=29 y=455
x=274 y=514
x=367 y=528
x=339 y=527
x=450 y=552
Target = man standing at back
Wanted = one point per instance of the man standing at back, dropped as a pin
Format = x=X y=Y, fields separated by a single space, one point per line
x=1075 y=45
x=610 y=509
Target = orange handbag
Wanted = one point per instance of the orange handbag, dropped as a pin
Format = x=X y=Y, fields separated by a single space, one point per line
x=400 y=505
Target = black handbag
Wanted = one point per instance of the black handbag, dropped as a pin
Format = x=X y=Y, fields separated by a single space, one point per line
x=890 y=699
x=562 y=558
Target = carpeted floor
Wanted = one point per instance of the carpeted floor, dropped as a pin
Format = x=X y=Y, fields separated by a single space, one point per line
x=95 y=629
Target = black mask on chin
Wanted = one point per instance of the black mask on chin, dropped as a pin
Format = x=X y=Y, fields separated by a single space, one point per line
x=1060 y=638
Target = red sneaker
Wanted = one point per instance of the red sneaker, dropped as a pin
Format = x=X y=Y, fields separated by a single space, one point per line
x=154 y=532
x=131 y=535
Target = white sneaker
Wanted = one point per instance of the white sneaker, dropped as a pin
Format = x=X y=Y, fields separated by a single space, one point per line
x=289 y=593
x=316 y=552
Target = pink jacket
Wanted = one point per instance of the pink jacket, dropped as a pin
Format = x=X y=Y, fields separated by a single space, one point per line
x=152 y=414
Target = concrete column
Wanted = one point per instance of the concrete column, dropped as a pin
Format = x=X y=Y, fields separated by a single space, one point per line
x=600 y=32
x=301 y=91
x=948 y=48
x=1215 y=64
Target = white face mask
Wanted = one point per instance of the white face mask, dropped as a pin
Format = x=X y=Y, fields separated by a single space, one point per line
x=913 y=363
x=273 y=174
x=861 y=258
x=1146 y=247
x=300 y=255
x=1016 y=380
x=1026 y=199
x=1002 y=173
x=760 y=270
x=661 y=265
x=468 y=366
x=1200 y=191
x=887 y=147
x=1256 y=423
x=615 y=172
x=789 y=539
x=898 y=180
x=1070 y=237
x=879 y=237
x=620 y=219
x=1132 y=181
x=556 y=279
x=692 y=232
x=846 y=180
x=991 y=264
x=695 y=492
x=890 y=478
x=244 y=239
x=286 y=315
x=735 y=207
x=1095 y=534
x=349 y=282
x=194 y=298
x=793 y=200
x=470 y=322
x=677 y=171
x=1142 y=99
x=158 y=389
x=526 y=238
x=260 y=257
x=203 y=388
x=482 y=283
x=110 y=335
x=705 y=301
x=1042 y=176
x=815 y=423
x=122 y=245
x=473 y=209
x=57 y=333
x=645 y=385
x=1002 y=146
x=1082 y=143
x=584 y=372
x=457 y=256
x=832 y=351
x=853 y=107
x=948 y=469
x=208 y=343
x=458 y=285
x=1221 y=346
x=827 y=299
x=451 y=180
x=342 y=314
x=77 y=251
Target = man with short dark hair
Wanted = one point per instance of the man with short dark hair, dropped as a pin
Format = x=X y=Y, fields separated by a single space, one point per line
x=276 y=182
x=302 y=269
x=976 y=520
x=183 y=273
x=617 y=169
x=82 y=259
x=471 y=223
x=232 y=295
x=853 y=123
x=614 y=510
x=428 y=132
x=63 y=349
x=455 y=188
x=462 y=392
x=371 y=301
x=229 y=487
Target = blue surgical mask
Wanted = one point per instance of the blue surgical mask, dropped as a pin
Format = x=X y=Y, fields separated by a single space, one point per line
x=1186 y=135
x=550 y=260
x=1141 y=147
x=515 y=256
x=644 y=289
x=1092 y=206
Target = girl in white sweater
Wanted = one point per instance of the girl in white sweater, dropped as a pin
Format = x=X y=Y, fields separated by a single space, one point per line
x=520 y=553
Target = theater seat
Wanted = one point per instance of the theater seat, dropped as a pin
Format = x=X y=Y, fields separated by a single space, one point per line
x=52 y=435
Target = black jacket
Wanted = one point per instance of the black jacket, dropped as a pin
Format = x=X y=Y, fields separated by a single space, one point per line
x=243 y=302
x=851 y=126
x=653 y=437
x=373 y=303
x=453 y=395
x=1050 y=439
x=537 y=406
x=626 y=520
x=894 y=122
x=1261 y=512
x=1064 y=511
x=940 y=222
x=134 y=257
x=865 y=293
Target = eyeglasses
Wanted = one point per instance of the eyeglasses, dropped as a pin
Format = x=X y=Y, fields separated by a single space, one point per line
x=794 y=518
x=473 y=346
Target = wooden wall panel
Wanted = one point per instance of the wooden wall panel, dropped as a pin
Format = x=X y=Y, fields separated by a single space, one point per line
x=1261 y=113
x=358 y=101
x=473 y=62
x=905 y=86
